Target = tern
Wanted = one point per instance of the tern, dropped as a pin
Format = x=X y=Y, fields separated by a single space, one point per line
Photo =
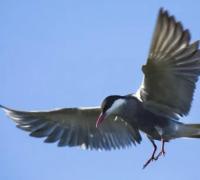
x=165 y=95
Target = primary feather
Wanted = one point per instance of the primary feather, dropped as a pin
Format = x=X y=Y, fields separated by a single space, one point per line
x=172 y=69
x=75 y=127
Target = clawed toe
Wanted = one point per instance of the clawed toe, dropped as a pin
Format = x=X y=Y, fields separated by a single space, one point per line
x=153 y=157
x=149 y=161
x=162 y=153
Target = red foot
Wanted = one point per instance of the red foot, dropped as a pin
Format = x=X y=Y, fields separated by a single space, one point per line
x=161 y=153
x=153 y=158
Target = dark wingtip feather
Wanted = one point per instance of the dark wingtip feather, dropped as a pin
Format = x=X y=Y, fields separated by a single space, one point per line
x=186 y=35
x=161 y=10
x=4 y=107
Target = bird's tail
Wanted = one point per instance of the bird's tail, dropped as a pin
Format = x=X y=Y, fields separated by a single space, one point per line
x=189 y=130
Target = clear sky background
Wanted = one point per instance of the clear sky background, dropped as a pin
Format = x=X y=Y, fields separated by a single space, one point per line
x=74 y=53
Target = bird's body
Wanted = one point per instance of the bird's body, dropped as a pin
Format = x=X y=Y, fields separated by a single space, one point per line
x=165 y=95
x=156 y=127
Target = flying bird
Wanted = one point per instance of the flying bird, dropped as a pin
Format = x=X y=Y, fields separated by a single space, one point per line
x=165 y=95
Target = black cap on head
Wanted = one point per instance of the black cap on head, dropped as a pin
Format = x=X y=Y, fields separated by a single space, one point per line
x=108 y=101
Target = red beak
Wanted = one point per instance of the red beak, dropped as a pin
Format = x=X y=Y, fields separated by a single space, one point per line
x=100 y=119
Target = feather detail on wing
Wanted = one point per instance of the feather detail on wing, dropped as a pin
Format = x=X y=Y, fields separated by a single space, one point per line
x=76 y=127
x=172 y=69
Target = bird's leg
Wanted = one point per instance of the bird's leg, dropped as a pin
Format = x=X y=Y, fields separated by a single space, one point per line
x=152 y=156
x=162 y=152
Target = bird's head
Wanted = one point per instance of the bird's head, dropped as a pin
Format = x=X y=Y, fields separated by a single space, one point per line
x=111 y=105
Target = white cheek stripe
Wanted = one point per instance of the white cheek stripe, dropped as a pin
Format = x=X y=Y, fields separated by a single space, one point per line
x=116 y=105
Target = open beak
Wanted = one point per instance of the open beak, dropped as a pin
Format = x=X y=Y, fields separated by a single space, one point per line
x=100 y=119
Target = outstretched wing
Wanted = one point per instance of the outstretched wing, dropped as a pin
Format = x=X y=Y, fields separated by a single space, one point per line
x=172 y=69
x=76 y=127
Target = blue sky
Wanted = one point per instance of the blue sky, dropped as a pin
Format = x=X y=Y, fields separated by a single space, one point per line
x=75 y=53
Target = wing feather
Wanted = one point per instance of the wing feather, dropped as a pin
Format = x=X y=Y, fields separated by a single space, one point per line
x=172 y=69
x=76 y=127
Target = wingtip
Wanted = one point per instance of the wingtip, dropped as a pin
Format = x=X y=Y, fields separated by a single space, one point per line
x=163 y=11
x=2 y=107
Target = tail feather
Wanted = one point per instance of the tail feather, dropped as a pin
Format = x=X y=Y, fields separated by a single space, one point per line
x=189 y=130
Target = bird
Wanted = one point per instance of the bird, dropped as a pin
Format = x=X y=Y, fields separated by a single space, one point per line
x=164 y=97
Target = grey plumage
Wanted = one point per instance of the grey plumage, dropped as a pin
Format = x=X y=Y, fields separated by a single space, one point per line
x=172 y=68
x=75 y=127
x=166 y=93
